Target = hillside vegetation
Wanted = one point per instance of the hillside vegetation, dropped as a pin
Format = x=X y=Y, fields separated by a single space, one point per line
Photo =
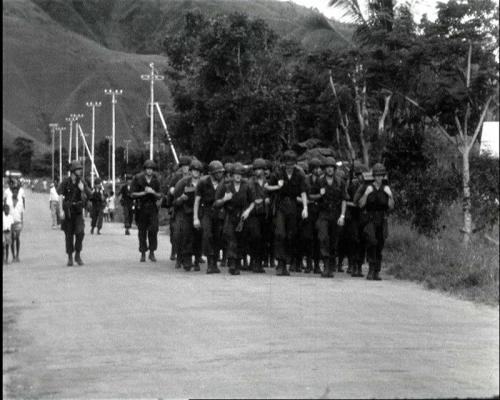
x=57 y=55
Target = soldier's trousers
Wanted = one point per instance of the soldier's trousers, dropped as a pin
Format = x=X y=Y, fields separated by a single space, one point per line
x=285 y=235
x=184 y=233
x=128 y=215
x=375 y=235
x=147 y=224
x=172 y=231
x=354 y=242
x=232 y=239
x=327 y=235
x=74 y=231
x=255 y=231
x=96 y=217
x=211 y=231
x=308 y=237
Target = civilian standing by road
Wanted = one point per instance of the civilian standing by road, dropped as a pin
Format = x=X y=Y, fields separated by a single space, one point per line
x=7 y=222
x=98 y=201
x=73 y=195
x=145 y=189
x=376 y=201
x=54 y=205
x=127 y=203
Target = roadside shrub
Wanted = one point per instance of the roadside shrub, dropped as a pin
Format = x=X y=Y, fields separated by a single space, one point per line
x=441 y=262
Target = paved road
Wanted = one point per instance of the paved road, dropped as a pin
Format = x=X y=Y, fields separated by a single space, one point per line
x=119 y=328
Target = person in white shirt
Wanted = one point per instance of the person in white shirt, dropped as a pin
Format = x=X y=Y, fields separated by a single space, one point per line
x=17 y=212
x=110 y=202
x=7 y=194
x=7 y=222
x=54 y=205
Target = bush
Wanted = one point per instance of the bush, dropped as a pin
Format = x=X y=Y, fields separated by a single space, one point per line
x=441 y=262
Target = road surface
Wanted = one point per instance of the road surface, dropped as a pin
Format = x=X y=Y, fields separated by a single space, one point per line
x=120 y=328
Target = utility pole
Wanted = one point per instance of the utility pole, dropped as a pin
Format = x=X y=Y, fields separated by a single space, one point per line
x=53 y=127
x=83 y=156
x=152 y=78
x=109 y=156
x=60 y=129
x=127 y=142
x=70 y=119
x=93 y=104
x=113 y=93
x=76 y=118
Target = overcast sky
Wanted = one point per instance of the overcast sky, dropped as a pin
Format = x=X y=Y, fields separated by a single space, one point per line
x=419 y=7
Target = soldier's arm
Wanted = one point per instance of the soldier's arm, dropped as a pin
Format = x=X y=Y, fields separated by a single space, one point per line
x=220 y=199
x=196 y=207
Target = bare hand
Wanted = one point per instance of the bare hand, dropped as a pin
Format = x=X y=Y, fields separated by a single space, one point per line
x=245 y=215
x=341 y=221
x=228 y=196
x=322 y=191
x=305 y=213
x=196 y=223
x=281 y=182
x=258 y=201
x=267 y=200
x=369 y=189
x=184 y=197
x=80 y=186
x=61 y=215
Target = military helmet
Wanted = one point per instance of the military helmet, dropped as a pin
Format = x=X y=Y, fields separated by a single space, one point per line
x=195 y=164
x=229 y=167
x=378 y=170
x=315 y=163
x=289 y=156
x=259 y=163
x=238 y=168
x=75 y=165
x=149 y=164
x=304 y=165
x=184 y=160
x=215 y=166
x=330 y=162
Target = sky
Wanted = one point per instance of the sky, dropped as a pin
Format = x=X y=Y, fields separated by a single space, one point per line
x=419 y=8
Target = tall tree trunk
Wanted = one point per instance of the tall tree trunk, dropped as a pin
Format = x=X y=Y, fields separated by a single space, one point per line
x=467 y=228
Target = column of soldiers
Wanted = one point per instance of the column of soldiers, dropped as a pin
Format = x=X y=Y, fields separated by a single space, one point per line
x=277 y=217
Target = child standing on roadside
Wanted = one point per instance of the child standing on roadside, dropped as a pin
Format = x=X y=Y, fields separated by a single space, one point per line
x=7 y=222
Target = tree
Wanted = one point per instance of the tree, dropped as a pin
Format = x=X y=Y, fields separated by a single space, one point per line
x=23 y=149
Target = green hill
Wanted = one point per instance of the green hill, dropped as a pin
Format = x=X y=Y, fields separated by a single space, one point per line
x=59 y=54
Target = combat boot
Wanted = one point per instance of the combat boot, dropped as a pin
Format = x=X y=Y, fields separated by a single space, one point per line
x=78 y=258
x=143 y=256
x=212 y=266
x=328 y=268
x=339 y=266
x=371 y=273
x=317 y=269
x=70 y=260
x=127 y=231
x=186 y=261
x=359 y=271
x=152 y=256
x=92 y=230
x=234 y=267
x=172 y=256
x=196 y=264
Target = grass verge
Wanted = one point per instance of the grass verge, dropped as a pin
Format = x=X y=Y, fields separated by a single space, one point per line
x=442 y=262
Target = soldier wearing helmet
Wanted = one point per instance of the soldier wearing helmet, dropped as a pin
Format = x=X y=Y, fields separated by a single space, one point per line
x=237 y=200
x=205 y=215
x=73 y=192
x=331 y=218
x=145 y=188
x=309 y=234
x=376 y=201
x=187 y=238
x=183 y=171
x=98 y=201
x=258 y=224
x=289 y=182
x=354 y=243
x=127 y=203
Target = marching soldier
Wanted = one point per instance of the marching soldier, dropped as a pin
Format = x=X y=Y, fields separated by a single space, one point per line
x=269 y=223
x=258 y=223
x=127 y=203
x=183 y=171
x=332 y=208
x=73 y=193
x=236 y=198
x=145 y=189
x=98 y=201
x=376 y=201
x=310 y=233
x=206 y=217
x=186 y=235
x=289 y=182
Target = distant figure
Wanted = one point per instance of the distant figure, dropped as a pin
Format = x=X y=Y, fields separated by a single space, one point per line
x=7 y=222
x=98 y=200
x=127 y=202
x=110 y=202
x=54 y=205
x=17 y=212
